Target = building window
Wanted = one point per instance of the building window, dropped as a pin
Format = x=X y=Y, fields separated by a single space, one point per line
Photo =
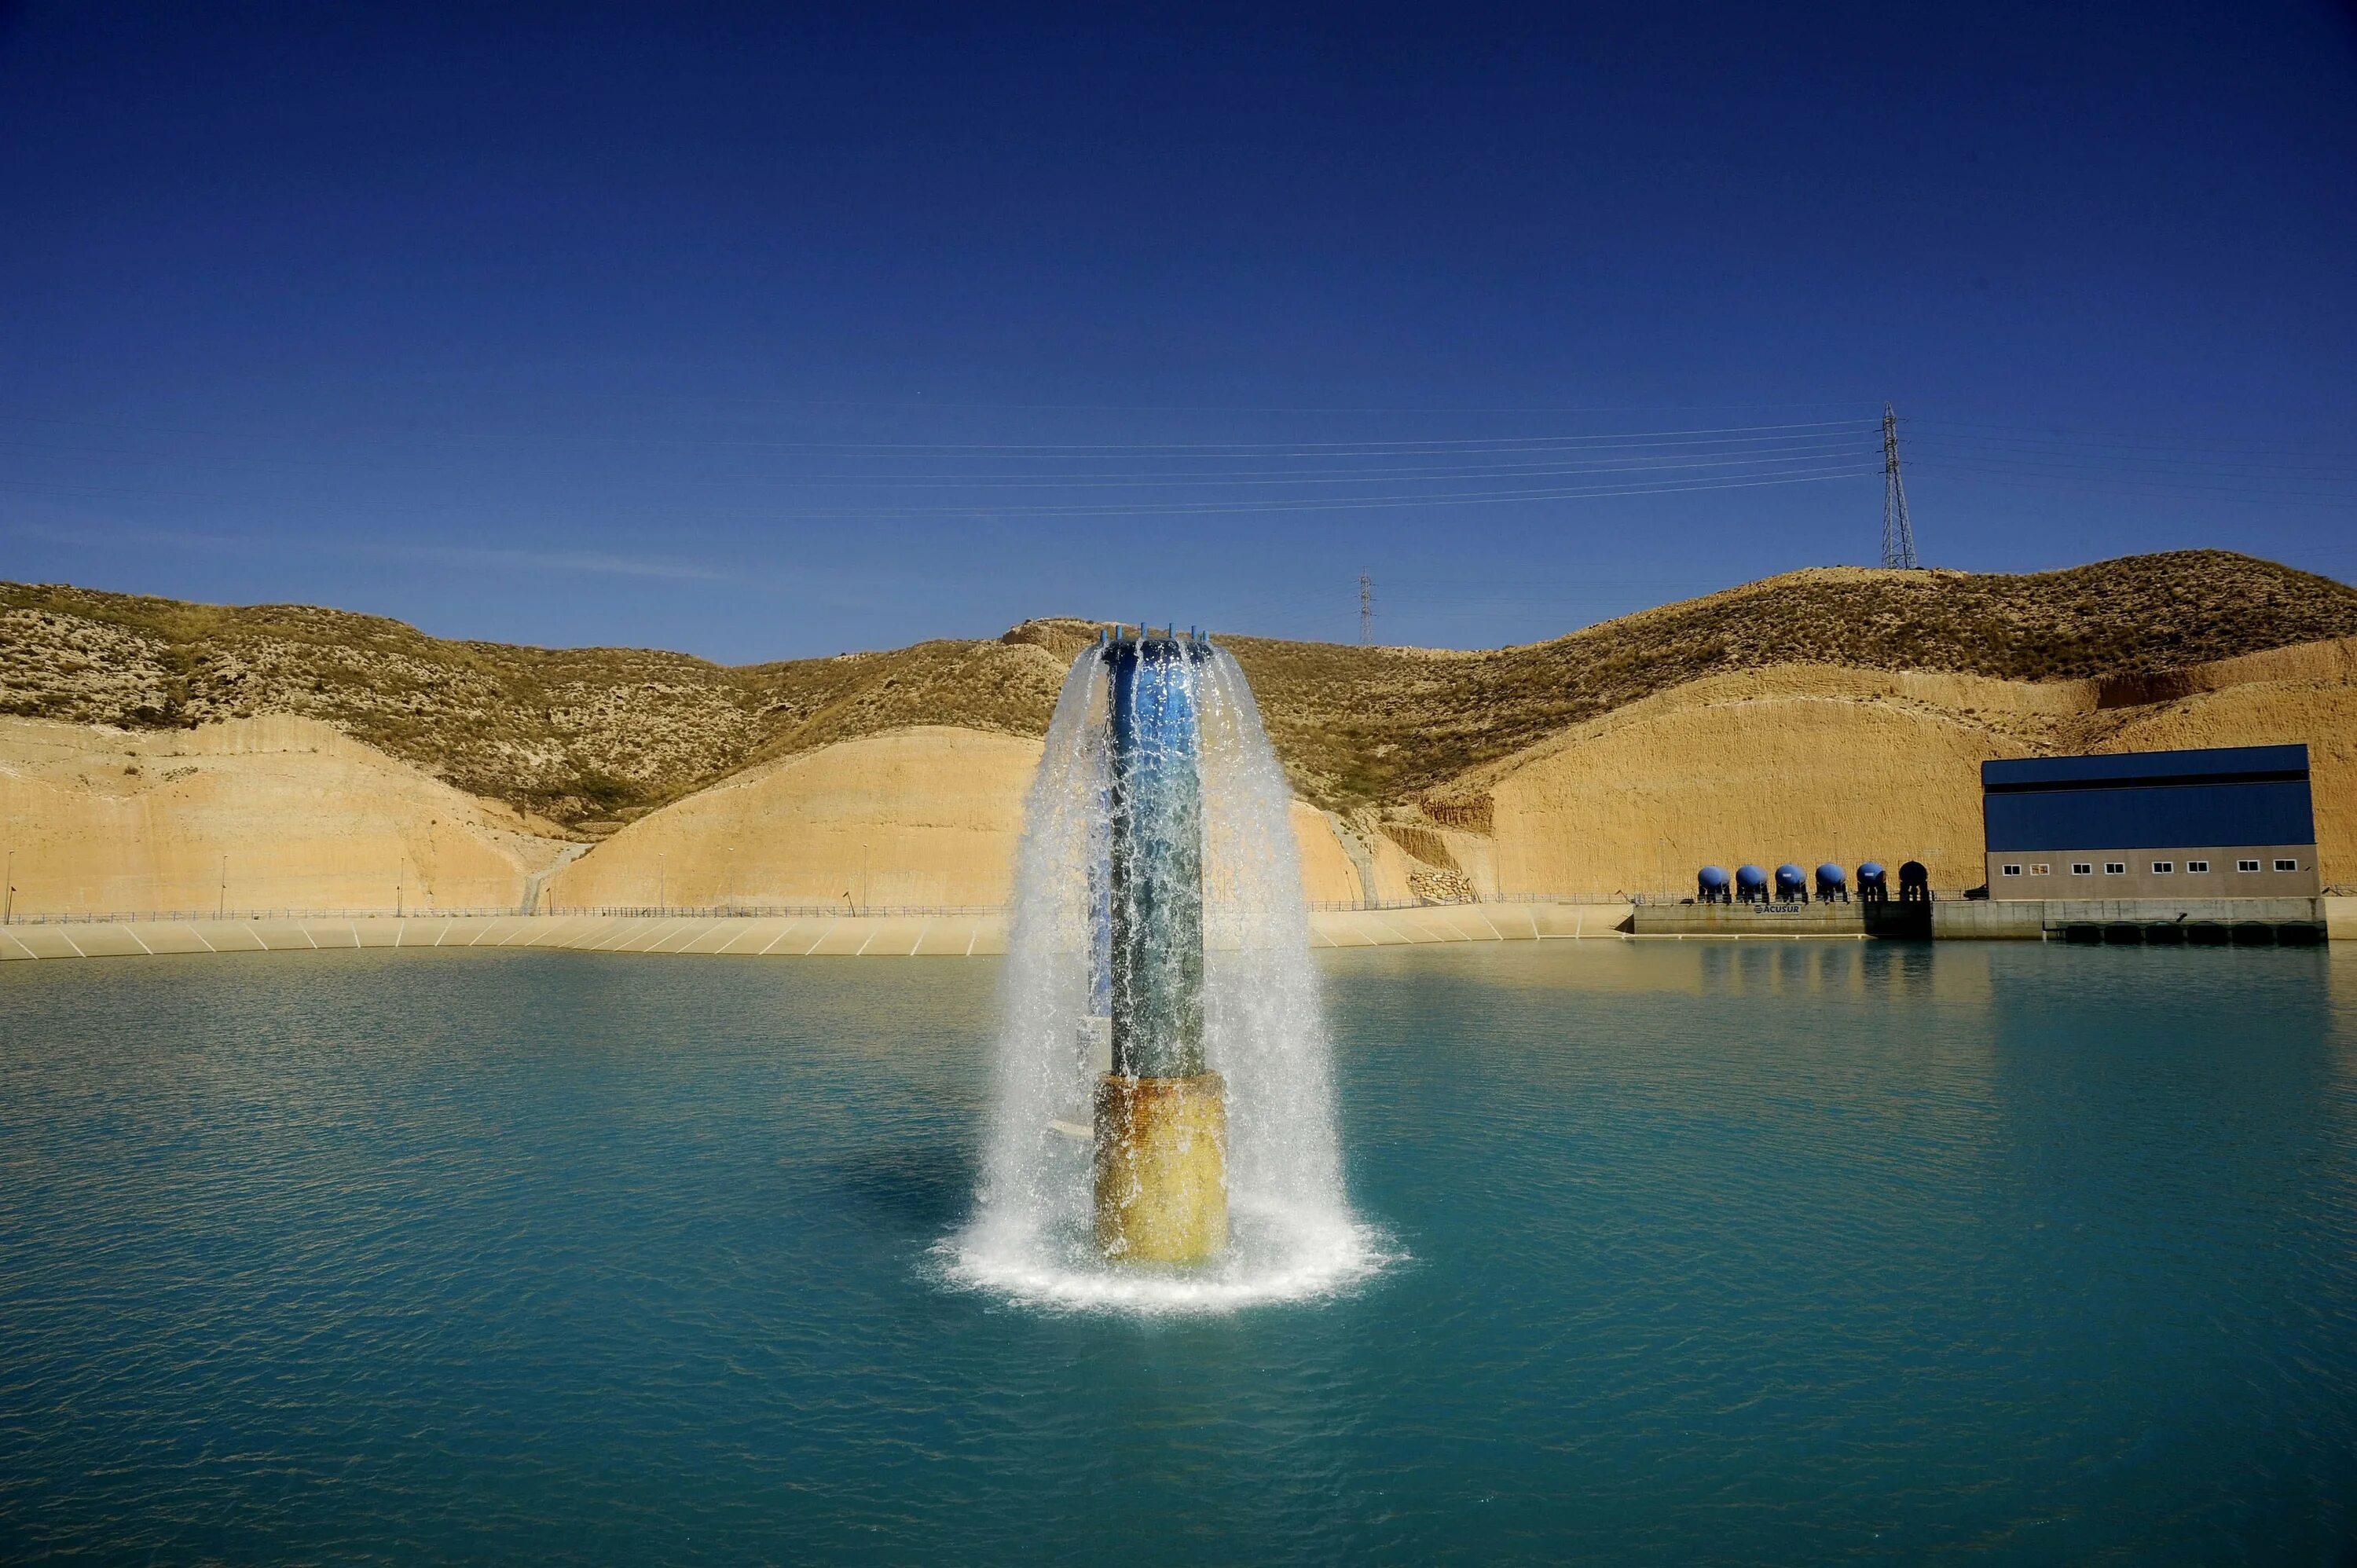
x=2115 y=868
x=2039 y=868
x=2195 y=867
x=2286 y=865
x=2010 y=870
x=2246 y=865
x=2163 y=868
x=2082 y=868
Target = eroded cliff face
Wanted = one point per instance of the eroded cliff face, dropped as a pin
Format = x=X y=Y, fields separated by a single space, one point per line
x=262 y=813
x=930 y=817
x=924 y=817
x=1810 y=762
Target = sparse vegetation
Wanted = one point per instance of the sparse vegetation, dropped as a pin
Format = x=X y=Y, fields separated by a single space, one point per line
x=588 y=736
x=1375 y=726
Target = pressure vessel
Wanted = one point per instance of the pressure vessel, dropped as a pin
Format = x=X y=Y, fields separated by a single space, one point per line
x=1750 y=883
x=1710 y=885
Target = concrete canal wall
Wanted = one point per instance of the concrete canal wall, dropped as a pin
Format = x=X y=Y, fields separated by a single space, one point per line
x=2017 y=920
x=970 y=935
x=746 y=935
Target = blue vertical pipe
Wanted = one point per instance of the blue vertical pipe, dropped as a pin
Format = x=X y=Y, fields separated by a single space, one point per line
x=1157 y=949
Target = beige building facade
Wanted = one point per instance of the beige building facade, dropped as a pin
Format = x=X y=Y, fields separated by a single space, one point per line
x=2234 y=871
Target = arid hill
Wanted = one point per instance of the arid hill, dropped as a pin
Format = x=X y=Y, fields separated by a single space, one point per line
x=580 y=736
x=1358 y=725
x=588 y=737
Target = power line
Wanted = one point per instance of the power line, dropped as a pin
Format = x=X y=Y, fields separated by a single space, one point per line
x=2112 y=438
x=1366 y=610
x=1847 y=470
x=1076 y=448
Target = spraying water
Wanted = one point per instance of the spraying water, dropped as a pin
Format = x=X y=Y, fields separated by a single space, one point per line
x=1291 y=1233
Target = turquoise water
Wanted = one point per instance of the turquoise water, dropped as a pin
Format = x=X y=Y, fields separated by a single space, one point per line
x=1756 y=1253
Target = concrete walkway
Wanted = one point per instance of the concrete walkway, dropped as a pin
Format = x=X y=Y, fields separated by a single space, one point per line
x=817 y=936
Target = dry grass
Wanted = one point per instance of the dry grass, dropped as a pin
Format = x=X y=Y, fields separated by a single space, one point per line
x=591 y=736
x=1380 y=725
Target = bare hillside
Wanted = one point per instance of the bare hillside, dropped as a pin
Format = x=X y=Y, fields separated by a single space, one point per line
x=591 y=736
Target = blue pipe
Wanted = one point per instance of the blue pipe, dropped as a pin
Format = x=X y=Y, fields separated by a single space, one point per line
x=1156 y=957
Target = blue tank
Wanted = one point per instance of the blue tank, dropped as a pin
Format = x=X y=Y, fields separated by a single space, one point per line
x=1711 y=884
x=1792 y=883
x=1873 y=882
x=1832 y=883
x=1750 y=884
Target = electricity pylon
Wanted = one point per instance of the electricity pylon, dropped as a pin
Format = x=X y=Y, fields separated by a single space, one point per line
x=1897 y=532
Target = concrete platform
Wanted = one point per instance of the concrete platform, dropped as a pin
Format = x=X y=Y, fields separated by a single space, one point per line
x=2012 y=919
x=1850 y=922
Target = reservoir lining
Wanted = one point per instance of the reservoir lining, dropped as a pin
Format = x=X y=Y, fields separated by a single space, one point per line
x=2154 y=922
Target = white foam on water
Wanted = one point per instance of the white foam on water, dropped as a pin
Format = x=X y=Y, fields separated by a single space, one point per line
x=1292 y=1234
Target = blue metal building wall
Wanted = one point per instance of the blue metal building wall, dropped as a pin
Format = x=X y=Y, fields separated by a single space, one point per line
x=2154 y=799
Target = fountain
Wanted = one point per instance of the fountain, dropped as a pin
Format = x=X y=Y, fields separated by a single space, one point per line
x=1162 y=1133
x=1161 y=1129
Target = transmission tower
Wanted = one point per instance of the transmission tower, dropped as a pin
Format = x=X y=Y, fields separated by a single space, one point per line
x=1366 y=609
x=1897 y=533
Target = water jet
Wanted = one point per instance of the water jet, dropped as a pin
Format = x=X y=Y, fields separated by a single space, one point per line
x=1160 y=1156
x=1162 y=1136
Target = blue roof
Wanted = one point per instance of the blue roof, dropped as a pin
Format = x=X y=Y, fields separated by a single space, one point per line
x=2230 y=796
x=2145 y=767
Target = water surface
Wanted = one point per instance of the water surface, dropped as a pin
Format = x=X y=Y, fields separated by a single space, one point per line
x=1713 y=1252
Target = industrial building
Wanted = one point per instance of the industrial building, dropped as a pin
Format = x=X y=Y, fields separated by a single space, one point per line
x=2236 y=822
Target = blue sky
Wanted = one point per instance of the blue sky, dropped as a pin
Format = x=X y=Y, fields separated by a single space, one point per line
x=773 y=331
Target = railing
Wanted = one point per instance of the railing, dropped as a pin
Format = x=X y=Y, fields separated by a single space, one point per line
x=1936 y=896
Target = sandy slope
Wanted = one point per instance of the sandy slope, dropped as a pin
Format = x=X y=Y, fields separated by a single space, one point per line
x=929 y=816
x=1813 y=762
x=272 y=812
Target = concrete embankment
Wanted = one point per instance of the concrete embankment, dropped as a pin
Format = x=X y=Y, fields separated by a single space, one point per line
x=971 y=935
x=746 y=936
x=2224 y=920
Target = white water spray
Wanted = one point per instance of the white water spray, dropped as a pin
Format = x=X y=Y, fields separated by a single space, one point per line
x=1291 y=1231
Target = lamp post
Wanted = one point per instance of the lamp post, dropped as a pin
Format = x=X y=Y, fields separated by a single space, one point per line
x=8 y=900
